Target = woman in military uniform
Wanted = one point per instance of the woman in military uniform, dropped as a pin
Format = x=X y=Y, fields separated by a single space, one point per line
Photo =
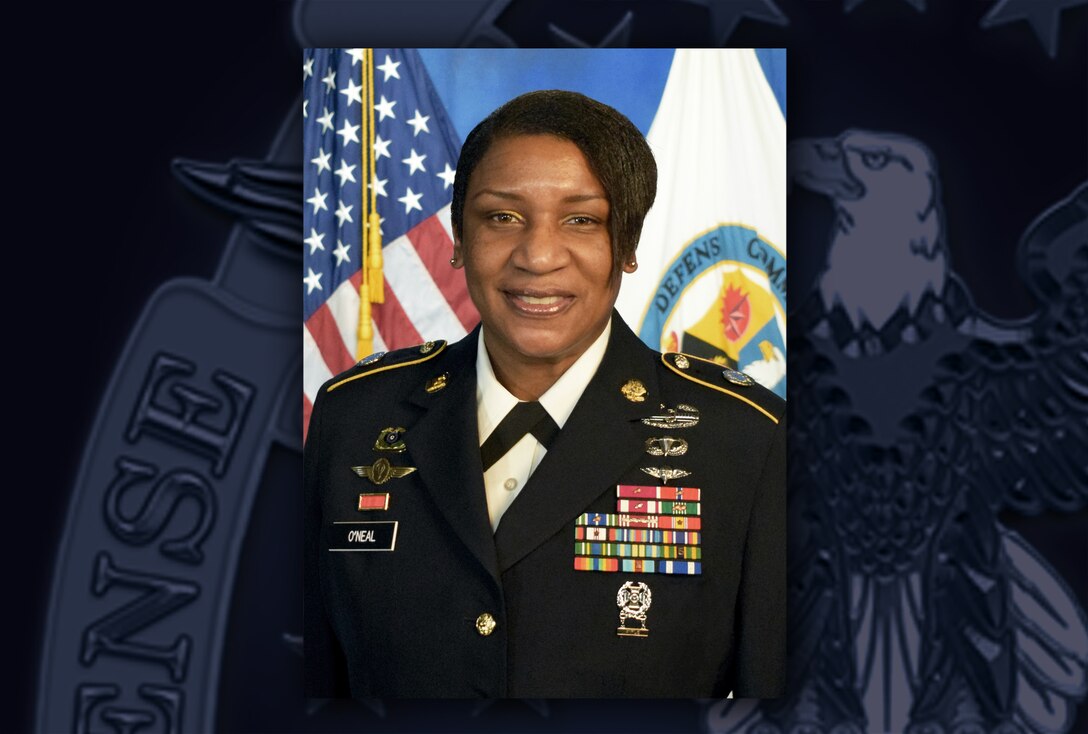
x=546 y=508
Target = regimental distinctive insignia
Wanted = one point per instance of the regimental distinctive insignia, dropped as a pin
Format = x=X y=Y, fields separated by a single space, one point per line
x=666 y=446
x=681 y=361
x=682 y=416
x=371 y=359
x=373 y=501
x=634 y=391
x=665 y=473
x=634 y=601
x=426 y=347
x=390 y=439
x=737 y=378
x=381 y=471
x=437 y=383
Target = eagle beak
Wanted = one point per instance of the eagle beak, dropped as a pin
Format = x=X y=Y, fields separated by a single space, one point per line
x=819 y=165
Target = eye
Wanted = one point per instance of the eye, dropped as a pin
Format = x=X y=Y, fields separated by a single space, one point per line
x=874 y=159
x=582 y=220
x=503 y=217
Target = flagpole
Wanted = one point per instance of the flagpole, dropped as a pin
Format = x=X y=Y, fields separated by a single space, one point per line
x=365 y=331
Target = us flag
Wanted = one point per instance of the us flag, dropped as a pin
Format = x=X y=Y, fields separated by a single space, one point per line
x=415 y=150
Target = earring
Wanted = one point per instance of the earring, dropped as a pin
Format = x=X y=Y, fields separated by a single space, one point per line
x=453 y=261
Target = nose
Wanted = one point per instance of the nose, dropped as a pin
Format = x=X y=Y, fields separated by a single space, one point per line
x=541 y=249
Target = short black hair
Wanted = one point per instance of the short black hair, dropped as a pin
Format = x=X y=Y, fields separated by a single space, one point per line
x=615 y=149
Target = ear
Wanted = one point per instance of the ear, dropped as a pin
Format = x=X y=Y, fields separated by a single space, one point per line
x=630 y=266
x=458 y=260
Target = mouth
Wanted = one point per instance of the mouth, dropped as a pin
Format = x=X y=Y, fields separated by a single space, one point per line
x=538 y=303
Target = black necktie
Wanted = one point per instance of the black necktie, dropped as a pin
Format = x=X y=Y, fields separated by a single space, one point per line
x=523 y=418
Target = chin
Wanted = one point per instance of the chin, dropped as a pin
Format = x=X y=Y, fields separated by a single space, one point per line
x=543 y=347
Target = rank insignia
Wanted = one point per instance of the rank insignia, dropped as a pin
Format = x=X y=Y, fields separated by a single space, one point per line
x=426 y=347
x=737 y=378
x=437 y=383
x=666 y=446
x=373 y=501
x=381 y=471
x=390 y=439
x=681 y=361
x=682 y=416
x=634 y=391
x=665 y=473
x=634 y=601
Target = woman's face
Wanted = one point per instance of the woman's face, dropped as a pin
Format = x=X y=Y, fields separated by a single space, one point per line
x=536 y=248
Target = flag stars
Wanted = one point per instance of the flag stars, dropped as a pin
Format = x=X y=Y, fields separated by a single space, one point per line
x=312 y=281
x=316 y=240
x=330 y=80
x=308 y=68
x=385 y=108
x=348 y=133
x=353 y=92
x=414 y=162
x=342 y=254
x=345 y=173
x=411 y=201
x=378 y=184
x=343 y=213
x=419 y=123
x=381 y=147
x=325 y=121
x=447 y=176
x=356 y=55
x=322 y=161
x=318 y=201
x=389 y=68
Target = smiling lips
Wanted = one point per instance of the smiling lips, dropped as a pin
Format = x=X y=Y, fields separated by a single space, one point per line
x=538 y=303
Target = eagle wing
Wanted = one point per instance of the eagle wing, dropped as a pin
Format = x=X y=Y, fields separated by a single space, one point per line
x=1023 y=402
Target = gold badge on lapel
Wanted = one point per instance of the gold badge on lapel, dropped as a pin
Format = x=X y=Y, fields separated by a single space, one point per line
x=437 y=383
x=390 y=439
x=381 y=471
x=634 y=601
x=634 y=391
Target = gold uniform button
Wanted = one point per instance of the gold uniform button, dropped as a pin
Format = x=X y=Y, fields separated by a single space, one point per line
x=485 y=624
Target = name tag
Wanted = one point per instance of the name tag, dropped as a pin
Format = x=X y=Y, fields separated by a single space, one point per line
x=375 y=535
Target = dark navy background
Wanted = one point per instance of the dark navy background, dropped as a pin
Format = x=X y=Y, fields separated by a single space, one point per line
x=102 y=223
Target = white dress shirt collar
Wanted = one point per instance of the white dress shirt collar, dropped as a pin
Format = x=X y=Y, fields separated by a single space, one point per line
x=493 y=401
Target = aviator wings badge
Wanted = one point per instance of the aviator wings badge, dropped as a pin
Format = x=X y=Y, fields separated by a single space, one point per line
x=381 y=471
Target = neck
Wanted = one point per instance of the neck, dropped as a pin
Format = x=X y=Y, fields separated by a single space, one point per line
x=528 y=382
x=528 y=378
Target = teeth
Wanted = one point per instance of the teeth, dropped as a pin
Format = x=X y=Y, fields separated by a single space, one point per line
x=535 y=300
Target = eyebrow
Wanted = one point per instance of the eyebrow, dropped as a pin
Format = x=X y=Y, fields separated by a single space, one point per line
x=512 y=196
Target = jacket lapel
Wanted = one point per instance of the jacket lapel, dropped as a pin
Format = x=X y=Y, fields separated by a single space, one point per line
x=600 y=441
x=447 y=451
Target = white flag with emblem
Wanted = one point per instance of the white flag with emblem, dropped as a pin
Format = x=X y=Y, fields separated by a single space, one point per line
x=711 y=280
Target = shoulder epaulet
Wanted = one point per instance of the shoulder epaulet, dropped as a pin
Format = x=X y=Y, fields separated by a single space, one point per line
x=718 y=377
x=383 y=361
